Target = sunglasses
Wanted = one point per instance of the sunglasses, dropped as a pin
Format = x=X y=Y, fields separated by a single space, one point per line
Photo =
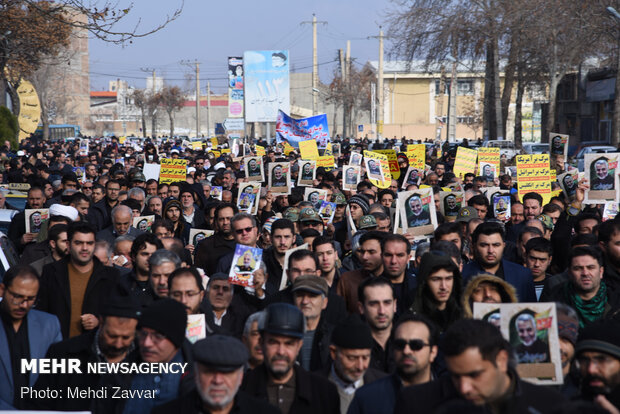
x=246 y=230
x=414 y=344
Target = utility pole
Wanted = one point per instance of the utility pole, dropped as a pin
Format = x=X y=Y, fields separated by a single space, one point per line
x=198 y=99
x=346 y=81
x=452 y=105
x=208 y=108
x=381 y=96
x=315 y=64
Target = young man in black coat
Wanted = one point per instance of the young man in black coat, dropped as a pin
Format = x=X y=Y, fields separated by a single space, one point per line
x=482 y=373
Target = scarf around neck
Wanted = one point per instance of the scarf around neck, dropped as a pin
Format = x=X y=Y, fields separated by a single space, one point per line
x=588 y=310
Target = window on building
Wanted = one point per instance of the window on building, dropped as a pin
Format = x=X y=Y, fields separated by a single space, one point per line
x=446 y=87
x=465 y=87
x=464 y=119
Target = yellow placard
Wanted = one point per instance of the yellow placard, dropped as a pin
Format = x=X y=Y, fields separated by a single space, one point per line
x=326 y=161
x=225 y=150
x=29 y=109
x=172 y=170
x=392 y=161
x=533 y=175
x=328 y=149
x=309 y=150
x=490 y=155
x=260 y=151
x=216 y=153
x=287 y=148
x=121 y=140
x=416 y=153
x=197 y=145
x=214 y=143
x=465 y=161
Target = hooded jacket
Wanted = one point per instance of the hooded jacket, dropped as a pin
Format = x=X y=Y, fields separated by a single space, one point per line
x=506 y=291
x=425 y=304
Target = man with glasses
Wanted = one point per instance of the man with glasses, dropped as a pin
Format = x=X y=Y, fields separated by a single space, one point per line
x=415 y=349
x=185 y=286
x=209 y=252
x=25 y=333
x=598 y=359
x=87 y=188
x=161 y=339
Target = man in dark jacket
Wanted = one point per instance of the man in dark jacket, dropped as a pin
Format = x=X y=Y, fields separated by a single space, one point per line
x=219 y=361
x=211 y=249
x=609 y=240
x=415 y=349
x=113 y=342
x=278 y=380
x=488 y=245
x=482 y=373
x=17 y=229
x=73 y=288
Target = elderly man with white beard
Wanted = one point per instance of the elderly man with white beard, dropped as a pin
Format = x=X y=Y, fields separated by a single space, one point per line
x=219 y=364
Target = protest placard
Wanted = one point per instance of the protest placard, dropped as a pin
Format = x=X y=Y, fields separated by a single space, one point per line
x=416 y=153
x=351 y=177
x=253 y=168
x=533 y=175
x=198 y=235
x=450 y=202
x=307 y=173
x=417 y=211
x=293 y=131
x=465 y=162
x=35 y=219
x=308 y=150
x=260 y=151
x=601 y=173
x=280 y=177
x=326 y=161
x=558 y=144
x=143 y=223
x=489 y=155
x=377 y=169
x=172 y=170
x=246 y=261
x=196 y=327
x=392 y=161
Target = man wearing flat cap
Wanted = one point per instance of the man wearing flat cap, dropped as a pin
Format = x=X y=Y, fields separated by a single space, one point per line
x=112 y=342
x=161 y=339
x=598 y=359
x=279 y=380
x=219 y=364
x=350 y=347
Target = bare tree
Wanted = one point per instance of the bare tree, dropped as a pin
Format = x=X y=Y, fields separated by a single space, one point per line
x=139 y=98
x=171 y=99
x=153 y=100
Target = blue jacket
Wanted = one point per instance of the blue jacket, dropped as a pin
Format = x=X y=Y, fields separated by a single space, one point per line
x=43 y=330
x=377 y=397
x=518 y=276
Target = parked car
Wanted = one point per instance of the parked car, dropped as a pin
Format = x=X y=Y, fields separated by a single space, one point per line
x=505 y=147
x=592 y=149
x=535 y=148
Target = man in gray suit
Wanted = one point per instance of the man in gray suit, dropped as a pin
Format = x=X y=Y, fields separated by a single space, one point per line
x=122 y=219
x=24 y=333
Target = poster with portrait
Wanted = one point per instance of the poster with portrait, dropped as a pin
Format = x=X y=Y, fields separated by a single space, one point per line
x=36 y=218
x=377 y=168
x=253 y=168
x=412 y=177
x=500 y=204
x=602 y=175
x=489 y=312
x=450 y=202
x=351 y=177
x=315 y=196
x=280 y=177
x=532 y=330
x=245 y=202
x=488 y=171
x=558 y=144
x=569 y=181
x=417 y=209
x=327 y=212
x=196 y=328
x=511 y=170
x=307 y=173
x=355 y=158
x=143 y=223
x=610 y=211
x=198 y=235
x=246 y=261
x=216 y=192
x=489 y=192
x=336 y=151
x=252 y=187
x=79 y=173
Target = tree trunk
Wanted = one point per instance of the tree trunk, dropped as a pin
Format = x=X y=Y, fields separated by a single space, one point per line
x=518 y=111
x=45 y=122
x=153 y=124
x=509 y=78
x=553 y=91
x=489 y=130
x=497 y=92
x=615 y=132
x=171 y=124
x=143 y=122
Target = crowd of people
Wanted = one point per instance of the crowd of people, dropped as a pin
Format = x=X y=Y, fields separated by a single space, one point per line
x=342 y=315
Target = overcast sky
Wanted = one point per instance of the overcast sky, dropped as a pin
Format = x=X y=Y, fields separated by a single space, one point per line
x=211 y=30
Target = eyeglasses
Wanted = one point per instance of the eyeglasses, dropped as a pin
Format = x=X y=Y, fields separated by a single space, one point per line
x=598 y=360
x=179 y=295
x=87 y=187
x=245 y=230
x=19 y=299
x=155 y=336
x=414 y=344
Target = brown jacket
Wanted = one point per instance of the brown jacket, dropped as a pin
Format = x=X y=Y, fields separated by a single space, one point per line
x=347 y=287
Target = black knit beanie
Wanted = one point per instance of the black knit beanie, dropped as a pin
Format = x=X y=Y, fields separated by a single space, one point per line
x=168 y=317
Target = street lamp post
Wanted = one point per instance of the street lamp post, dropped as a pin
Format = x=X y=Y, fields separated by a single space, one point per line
x=615 y=126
